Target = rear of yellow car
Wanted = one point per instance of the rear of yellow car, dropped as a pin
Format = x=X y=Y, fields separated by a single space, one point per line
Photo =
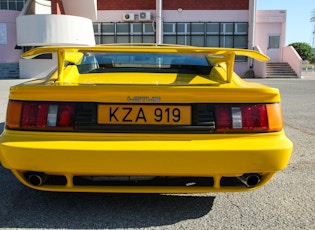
x=134 y=125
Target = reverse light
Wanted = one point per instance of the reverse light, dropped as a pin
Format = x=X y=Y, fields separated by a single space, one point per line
x=40 y=115
x=248 y=117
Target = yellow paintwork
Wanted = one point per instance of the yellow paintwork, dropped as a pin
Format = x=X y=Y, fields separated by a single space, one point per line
x=169 y=94
x=142 y=154
x=145 y=154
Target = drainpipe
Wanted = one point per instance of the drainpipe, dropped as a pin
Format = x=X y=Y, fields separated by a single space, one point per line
x=253 y=21
x=159 y=23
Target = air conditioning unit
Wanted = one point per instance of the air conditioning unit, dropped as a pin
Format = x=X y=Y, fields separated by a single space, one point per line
x=128 y=16
x=144 y=16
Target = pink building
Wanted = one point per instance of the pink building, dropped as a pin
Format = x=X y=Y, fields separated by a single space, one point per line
x=210 y=23
x=9 y=53
x=269 y=37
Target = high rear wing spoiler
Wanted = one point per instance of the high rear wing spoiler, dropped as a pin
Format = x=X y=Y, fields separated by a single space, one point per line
x=217 y=56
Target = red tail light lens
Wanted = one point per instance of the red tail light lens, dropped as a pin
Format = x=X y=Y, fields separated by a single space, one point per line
x=247 y=118
x=223 y=116
x=254 y=117
x=34 y=115
x=65 y=116
x=47 y=115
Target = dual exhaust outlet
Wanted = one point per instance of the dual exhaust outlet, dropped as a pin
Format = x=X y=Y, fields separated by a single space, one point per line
x=38 y=178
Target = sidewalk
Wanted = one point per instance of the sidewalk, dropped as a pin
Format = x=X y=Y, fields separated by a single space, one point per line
x=308 y=75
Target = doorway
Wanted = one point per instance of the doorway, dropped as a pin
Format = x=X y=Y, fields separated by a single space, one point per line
x=273 y=50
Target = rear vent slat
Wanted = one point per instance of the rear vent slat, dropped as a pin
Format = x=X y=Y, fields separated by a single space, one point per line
x=86 y=114
x=203 y=114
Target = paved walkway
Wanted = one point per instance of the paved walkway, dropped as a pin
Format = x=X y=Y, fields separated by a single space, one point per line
x=308 y=75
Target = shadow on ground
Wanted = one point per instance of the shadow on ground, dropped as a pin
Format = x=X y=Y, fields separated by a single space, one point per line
x=21 y=207
x=34 y=209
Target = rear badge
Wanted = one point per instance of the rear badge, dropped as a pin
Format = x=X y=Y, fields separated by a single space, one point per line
x=143 y=99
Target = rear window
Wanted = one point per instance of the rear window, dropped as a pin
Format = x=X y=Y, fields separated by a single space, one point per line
x=144 y=62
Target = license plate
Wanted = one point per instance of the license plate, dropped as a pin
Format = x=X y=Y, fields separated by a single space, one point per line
x=144 y=114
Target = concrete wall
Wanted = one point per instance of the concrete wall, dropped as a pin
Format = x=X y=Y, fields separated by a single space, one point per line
x=41 y=30
x=291 y=56
x=37 y=68
x=180 y=16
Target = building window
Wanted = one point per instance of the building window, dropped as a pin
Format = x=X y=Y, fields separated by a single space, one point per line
x=12 y=4
x=203 y=34
x=213 y=28
x=226 y=28
x=274 y=42
x=3 y=34
x=241 y=28
x=115 y=32
x=209 y=34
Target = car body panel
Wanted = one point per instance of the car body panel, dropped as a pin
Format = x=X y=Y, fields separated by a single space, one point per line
x=169 y=93
x=145 y=155
x=133 y=155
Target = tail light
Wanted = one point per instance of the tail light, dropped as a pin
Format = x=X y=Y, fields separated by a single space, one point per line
x=228 y=118
x=40 y=115
x=248 y=117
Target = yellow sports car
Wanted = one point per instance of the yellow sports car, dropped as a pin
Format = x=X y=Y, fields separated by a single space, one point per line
x=144 y=119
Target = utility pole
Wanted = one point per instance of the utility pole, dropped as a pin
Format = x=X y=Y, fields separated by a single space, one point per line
x=159 y=22
x=313 y=21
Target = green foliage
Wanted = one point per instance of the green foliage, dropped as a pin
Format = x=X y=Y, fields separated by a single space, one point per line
x=304 y=50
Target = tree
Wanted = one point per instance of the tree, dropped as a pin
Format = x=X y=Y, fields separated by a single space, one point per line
x=304 y=50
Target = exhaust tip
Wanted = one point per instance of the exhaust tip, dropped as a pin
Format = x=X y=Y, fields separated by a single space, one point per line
x=37 y=179
x=250 y=180
x=253 y=180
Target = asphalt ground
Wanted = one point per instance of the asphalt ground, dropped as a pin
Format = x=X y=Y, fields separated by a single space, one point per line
x=286 y=202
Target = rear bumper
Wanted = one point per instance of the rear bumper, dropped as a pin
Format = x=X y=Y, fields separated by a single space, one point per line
x=89 y=154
